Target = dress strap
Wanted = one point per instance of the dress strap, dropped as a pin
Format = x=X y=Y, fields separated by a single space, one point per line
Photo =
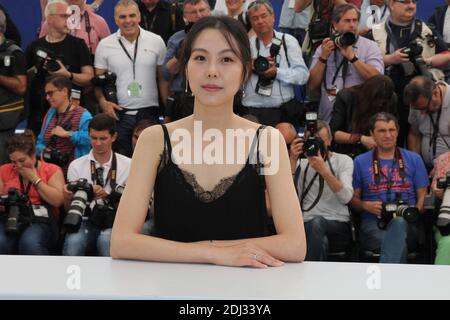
x=255 y=153
x=167 y=144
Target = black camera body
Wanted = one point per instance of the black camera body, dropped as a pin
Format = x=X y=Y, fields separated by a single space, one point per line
x=398 y=208
x=416 y=65
x=46 y=59
x=344 y=39
x=313 y=145
x=16 y=204
x=103 y=214
x=83 y=195
x=55 y=156
x=443 y=220
x=107 y=82
x=261 y=65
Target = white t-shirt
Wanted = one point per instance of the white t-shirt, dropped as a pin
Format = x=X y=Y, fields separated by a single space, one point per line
x=81 y=168
x=221 y=7
x=372 y=14
x=151 y=52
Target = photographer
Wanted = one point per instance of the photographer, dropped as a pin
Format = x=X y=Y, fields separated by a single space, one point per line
x=12 y=86
x=277 y=67
x=409 y=48
x=180 y=104
x=58 y=53
x=28 y=226
x=324 y=187
x=441 y=170
x=343 y=60
x=104 y=170
x=429 y=117
x=389 y=184
x=64 y=133
x=136 y=56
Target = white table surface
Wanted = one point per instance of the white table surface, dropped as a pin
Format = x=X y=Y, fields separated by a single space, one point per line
x=38 y=277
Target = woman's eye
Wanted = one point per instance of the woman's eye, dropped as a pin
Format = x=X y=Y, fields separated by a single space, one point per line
x=228 y=59
x=199 y=58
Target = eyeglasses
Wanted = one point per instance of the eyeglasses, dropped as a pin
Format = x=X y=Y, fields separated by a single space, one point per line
x=406 y=2
x=61 y=15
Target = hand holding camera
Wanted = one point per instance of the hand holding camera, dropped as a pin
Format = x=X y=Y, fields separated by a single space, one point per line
x=374 y=207
x=60 y=132
x=327 y=48
x=398 y=57
x=99 y=192
x=296 y=148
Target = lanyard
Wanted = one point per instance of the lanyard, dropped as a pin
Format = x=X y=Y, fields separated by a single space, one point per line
x=112 y=174
x=377 y=171
x=149 y=26
x=63 y=117
x=129 y=57
x=435 y=133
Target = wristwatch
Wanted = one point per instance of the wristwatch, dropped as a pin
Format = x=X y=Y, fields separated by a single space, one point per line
x=354 y=59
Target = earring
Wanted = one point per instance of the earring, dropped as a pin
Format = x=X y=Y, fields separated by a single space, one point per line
x=187 y=90
x=243 y=91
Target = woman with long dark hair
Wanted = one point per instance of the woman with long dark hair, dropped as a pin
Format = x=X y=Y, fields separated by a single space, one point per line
x=352 y=110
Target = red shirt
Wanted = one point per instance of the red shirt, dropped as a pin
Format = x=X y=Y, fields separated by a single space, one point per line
x=10 y=179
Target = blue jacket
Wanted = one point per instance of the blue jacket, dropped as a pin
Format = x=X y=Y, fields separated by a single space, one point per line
x=79 y=138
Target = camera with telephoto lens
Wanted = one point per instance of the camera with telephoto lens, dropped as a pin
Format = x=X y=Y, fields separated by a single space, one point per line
x=103 y=214
x=107 y=82
x=46 y=59
x=398 y=208
x=52 y=155
x=344 y=39
x=443 y=219
x=16 y=204
x=83 y=195
x=313 y=144
x=416 y=65
x=261 y=65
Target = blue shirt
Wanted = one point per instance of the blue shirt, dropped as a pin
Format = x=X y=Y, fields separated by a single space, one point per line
x=173 y=46
x=290 y=19
x=287 y=76
x=363 y=178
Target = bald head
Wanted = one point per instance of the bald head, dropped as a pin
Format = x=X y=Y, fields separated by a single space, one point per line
x=287 y=130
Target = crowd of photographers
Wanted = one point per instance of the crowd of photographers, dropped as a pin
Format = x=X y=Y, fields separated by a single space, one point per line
x=359 y=90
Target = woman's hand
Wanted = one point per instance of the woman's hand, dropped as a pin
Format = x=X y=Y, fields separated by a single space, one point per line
x=245 y=255
x=29 y=174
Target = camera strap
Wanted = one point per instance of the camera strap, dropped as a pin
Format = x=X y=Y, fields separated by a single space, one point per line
x=377 y=172
x=112 y=174
x=308 y=188
x=343 y=65
x=416 y=30
x=129 y=56
x=436 y=133
x=283 y=41
x=87 y=23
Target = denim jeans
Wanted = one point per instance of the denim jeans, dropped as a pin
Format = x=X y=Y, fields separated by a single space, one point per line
x=88 y=238
x=323 y=236
x=35 y=239
x=393 y=243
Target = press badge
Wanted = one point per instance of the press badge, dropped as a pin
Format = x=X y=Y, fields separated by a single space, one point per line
x=332 y=93
x=134 y=89
x=40 y=211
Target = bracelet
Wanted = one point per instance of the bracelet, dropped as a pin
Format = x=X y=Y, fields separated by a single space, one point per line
x=324 y=61
x=36 y=183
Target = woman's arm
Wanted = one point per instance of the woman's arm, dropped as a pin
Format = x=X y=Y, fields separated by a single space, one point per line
x=128 y=243
x=52 y=191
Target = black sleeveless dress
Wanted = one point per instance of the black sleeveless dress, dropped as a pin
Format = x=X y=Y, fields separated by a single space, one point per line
x=234 y=209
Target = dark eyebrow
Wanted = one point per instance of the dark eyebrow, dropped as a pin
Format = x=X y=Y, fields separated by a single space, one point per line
x=206 y=51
